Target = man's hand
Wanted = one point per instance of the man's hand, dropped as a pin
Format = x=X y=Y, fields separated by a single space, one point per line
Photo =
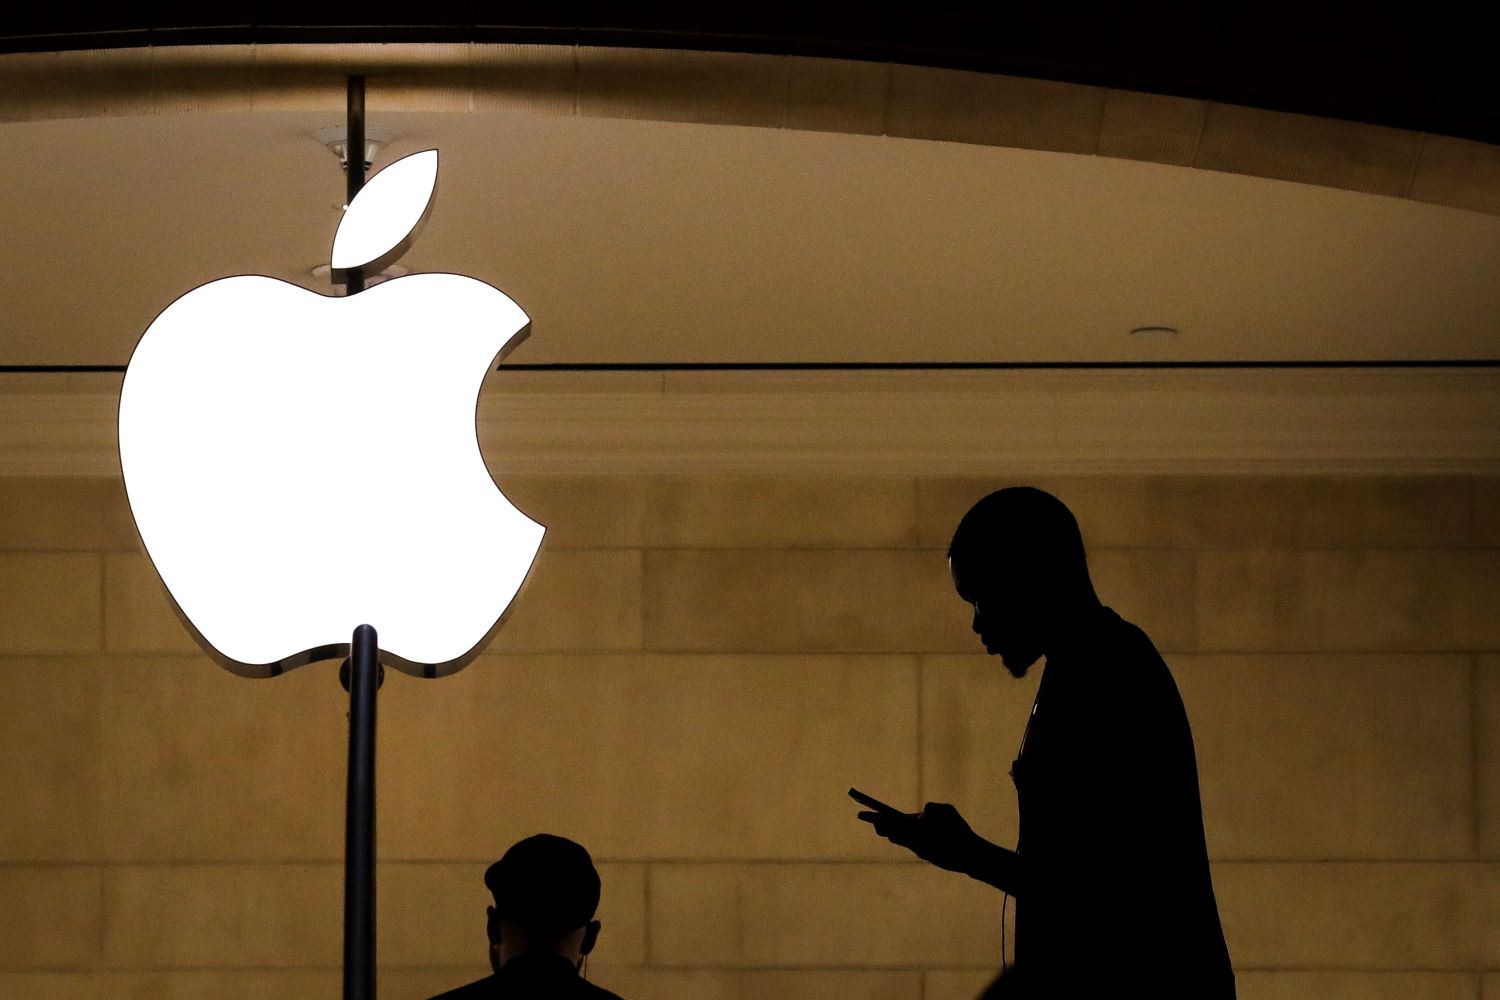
x=937 y=834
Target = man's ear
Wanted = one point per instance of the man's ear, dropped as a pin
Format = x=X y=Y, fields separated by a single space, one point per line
x=590 y=937
x=492 y=924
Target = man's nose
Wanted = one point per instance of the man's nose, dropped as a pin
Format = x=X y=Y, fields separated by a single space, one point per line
x=975 y=623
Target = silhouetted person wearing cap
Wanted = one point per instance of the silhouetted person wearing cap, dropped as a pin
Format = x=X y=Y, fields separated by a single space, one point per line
x=1110 y=874
x=542 y=926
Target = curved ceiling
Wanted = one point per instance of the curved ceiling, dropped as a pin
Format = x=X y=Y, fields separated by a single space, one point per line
x=638 y=241
x=1426 y=67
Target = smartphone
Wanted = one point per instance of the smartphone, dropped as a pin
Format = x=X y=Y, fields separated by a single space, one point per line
x=872 y=802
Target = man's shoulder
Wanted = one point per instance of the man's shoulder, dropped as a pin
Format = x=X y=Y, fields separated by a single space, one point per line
x=1126 y=652
x=470 y=991
x=489 y=987
x=1125 y=670
x=595 y=992
x=1124 y=636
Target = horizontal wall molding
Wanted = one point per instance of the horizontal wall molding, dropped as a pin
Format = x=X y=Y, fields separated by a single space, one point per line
x=760 y=90
x=919 y=423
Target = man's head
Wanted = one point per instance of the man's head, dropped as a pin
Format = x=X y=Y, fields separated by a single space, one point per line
x=546 y=890
x=1017 y=557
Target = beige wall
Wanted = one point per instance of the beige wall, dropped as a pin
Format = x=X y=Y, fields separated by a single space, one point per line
x=697 y=671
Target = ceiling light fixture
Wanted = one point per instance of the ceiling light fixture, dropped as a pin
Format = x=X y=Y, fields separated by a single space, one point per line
x=336 y=138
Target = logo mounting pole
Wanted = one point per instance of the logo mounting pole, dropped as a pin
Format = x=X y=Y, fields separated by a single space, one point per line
x=362 y=679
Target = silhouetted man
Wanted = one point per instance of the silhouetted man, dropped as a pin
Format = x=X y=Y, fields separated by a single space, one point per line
x=1110 y=874
x=542 y=926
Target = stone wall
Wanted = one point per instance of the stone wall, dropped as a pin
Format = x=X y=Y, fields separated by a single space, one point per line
x=697 y=670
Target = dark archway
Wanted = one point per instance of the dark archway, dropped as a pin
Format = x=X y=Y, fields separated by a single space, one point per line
x=1425 y=67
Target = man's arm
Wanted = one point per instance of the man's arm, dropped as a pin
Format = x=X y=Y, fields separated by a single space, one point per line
x=938 y=834
x=995 y=865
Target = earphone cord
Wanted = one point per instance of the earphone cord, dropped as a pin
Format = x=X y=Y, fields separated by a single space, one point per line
x=1004 y=905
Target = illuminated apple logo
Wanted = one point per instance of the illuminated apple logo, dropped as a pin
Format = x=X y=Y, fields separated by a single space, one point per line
x=299 y=464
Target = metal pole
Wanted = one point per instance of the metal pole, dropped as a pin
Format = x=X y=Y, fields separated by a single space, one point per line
x=354 y=172
x=359 y=819
x=364 y=680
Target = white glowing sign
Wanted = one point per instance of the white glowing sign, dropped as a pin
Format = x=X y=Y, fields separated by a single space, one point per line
x=300 y=464
x=403 y=192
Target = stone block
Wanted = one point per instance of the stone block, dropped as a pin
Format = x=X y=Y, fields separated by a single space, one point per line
x=50 y=602
x=812 y=915
x=781 y=512
x=1308 y=756
x=1304 y=511
x=1486 y=510
x=240 y=984
x=61 y=514
x=1151 y=127
x=1438 y=917
x=1487 y=754
x=582 y=512
x=223 y=916
x=442 y=82
x=641 y=757
x=704 y=88
x=1254 y=984
x=1349 y=155
x=1360 y=600
x=138 y=612
x=836 y=95
x=1150 y=588
x=993 y=110
x=200 y=79
x=530 y=79
x=281 y=82
x=199 y=764
x=803 y=601
x=956 y=984
x=401 y=77
x=38 y=86
x=576 y=600
x=52 y=985
x=50 y=716
x=943 y=501
x=51 y=917
x=1459 y=173
x=1169 y=511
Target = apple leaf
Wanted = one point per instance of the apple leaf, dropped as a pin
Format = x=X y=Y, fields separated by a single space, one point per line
x=385 y=217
